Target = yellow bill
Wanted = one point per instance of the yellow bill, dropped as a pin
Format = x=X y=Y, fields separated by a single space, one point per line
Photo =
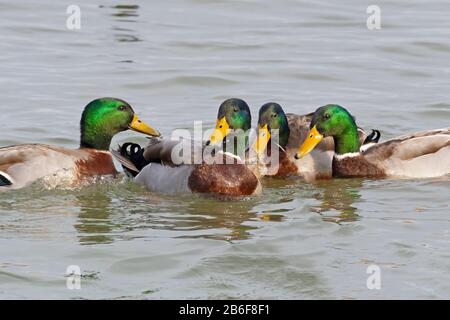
x=139 y=126
x=311 y=141
x=220 y=132
x=263 y=139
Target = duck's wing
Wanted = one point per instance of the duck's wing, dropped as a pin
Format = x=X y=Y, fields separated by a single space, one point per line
x=168 y=152
x=161 y=150
x=411 y=146
x=422 y=154
x=22 y=164
x=175 y=152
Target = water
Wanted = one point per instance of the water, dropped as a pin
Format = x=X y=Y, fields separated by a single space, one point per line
x=175 y=61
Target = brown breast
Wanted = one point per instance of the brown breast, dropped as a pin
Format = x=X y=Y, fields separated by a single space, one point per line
x=286 y=166
x=356 y=166
x=96 y=163
x=223 y=179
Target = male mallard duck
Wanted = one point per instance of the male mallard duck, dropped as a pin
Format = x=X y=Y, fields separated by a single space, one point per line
x=292 y=131
x=101 y=120
x=159 y=168
x=422 y=154
x=233 y=123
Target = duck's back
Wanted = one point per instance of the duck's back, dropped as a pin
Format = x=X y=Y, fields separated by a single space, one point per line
x=422 y=154
x=29 y=162
x=24 y=164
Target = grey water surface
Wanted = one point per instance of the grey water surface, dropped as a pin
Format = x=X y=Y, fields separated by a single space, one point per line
x=175 y=62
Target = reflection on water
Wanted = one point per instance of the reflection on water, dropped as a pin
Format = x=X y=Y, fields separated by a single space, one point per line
x=124 y=14
x=206 y=214
x=105 y=214
x=94 y=224
x=338 y=195
x=111 y=209
x=200 y=217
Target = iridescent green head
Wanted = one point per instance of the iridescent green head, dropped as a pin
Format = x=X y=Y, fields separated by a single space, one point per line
x=234 y=114
x=272 y=120
x=105 y=117
x=332 y=121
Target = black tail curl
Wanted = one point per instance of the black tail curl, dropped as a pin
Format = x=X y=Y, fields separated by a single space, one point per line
x=135 y=153
x=4 y=180
x=373 y=137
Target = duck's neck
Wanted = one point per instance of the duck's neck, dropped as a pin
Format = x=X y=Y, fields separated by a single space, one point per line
x=236 y=144
x=347 y=141
x=284 y=137
x=95 y=137
x=281 y=143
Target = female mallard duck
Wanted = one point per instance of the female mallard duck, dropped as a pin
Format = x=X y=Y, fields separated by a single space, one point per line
x=160 y=168
x=291 y=130
x=418 y=155
x=100 y=121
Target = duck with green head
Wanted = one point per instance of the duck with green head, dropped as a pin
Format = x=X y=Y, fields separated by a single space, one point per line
x=422 y=154
x=290 y=131
x=232 y=127
x=102 y=118
x=222 y=172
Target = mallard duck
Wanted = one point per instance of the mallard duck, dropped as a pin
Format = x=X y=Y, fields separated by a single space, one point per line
x=418 y=155
x=233 y=123
x=204 y=170
x=291 y=130
x=101 y=120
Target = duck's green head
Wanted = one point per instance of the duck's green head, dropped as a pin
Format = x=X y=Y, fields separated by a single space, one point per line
x=104 y=117
x=272 y=120
x=234 y=114
x=331 y=121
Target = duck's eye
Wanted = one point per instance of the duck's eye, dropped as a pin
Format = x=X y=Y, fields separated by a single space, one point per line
x=236 y=110
x=326 y=116
x=121 y=108
x=274 y=115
